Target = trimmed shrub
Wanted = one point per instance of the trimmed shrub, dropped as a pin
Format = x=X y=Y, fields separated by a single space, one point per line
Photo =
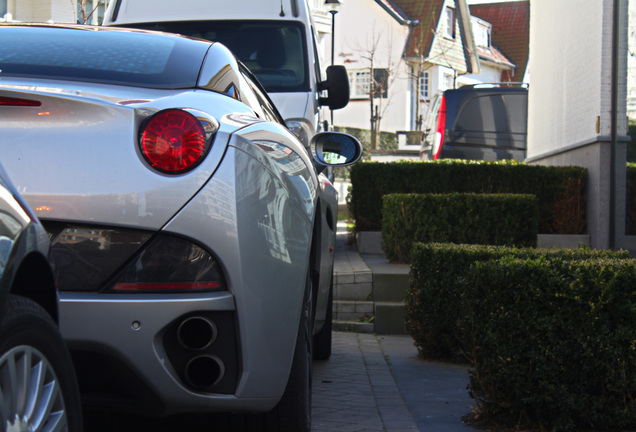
x=510 y=220
x=434 y=301
x=551 y=342
x=559 y=190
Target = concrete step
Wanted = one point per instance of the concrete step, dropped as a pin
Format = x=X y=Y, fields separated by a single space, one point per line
x=378 y=294
x=368 y=291
x=389 y=317
x=389 y=287
x=352 y=326
x=352 y=310
x=353 y=285
x=353 y=315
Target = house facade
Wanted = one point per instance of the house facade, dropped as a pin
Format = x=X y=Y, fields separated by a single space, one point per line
x=370 y=41
x=577 y=110
x=399 y=53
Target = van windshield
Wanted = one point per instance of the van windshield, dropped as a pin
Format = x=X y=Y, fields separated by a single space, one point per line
x=274 y=51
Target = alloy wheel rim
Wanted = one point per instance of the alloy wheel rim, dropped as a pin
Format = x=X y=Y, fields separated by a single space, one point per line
x=30 y=395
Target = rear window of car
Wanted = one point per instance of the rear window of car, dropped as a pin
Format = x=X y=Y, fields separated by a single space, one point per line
x=500 y=113
x=275 y=51
x=131 y=58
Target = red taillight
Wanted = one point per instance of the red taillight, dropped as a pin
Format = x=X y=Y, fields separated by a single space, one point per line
x=440 y=129
x=173 y=141
x=7 y=101
x=170 y=264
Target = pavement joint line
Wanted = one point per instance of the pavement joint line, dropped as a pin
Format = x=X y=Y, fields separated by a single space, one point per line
x=355 y=390
x=384 y=386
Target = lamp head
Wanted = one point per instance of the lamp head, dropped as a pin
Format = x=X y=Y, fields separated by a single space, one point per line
x=333 y=6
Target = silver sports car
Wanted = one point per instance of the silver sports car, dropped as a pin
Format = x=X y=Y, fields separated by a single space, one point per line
x=192 y=232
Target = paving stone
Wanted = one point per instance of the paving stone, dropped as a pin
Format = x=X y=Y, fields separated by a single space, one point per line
x=354 y=390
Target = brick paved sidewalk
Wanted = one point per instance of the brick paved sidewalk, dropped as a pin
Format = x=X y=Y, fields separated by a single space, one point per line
x=354 y=391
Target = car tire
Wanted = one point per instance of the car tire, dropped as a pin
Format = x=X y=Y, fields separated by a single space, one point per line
x=32 y=349
x=322 y=339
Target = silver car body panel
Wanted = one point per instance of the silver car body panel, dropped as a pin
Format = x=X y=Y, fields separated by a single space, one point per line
x=117 y=188
x=263 y=280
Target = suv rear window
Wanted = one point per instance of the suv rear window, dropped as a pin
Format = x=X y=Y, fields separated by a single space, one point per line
x=275 y=51
x=104 y=56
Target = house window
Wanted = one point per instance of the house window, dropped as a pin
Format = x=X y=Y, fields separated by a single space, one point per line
x=424 y=86
x=381 y=83
x=449 y=81
x=449 y=23
x=360 y=83
x=93 y=12
x=481 y=32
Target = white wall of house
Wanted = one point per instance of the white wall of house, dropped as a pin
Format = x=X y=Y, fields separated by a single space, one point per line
x=362 y=27
x=570 y=65
x=631 y=75
x=488 y=74
x=59 y=11
x=42 y=10
x=569 y=101
x=322 y=22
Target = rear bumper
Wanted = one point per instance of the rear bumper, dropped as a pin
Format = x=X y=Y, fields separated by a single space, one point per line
x=139 y=337
x=263 y=249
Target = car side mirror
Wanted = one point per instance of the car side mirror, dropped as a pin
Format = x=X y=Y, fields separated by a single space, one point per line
x=337 y=86
x=335 y=149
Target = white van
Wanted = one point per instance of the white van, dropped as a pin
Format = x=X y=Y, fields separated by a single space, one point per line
x=275 y=39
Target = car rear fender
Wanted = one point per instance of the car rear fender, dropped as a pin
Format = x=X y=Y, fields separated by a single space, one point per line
x=90 y=168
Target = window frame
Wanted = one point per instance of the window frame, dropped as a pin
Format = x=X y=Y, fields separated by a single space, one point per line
x=445 y=82
x=482 y=30
x=360 y=83
x=424 y=86
x=449 y=22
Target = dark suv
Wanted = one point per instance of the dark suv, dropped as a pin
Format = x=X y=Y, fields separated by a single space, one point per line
x=480 y=122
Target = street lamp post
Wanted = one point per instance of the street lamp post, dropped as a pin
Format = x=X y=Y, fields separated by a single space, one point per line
x=333 y=6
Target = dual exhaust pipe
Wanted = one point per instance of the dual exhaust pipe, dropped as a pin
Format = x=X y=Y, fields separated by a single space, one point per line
x=198 y=333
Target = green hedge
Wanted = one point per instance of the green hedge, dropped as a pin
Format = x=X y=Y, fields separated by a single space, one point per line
x=437 y=284
x=504 y=219
x=550 y=334
x=560 y=190
x=553 y=343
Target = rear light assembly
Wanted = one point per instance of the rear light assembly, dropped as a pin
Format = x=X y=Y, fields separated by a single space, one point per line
x=14 y=102
x=96 y=259
x=174 y=141
x=170 y=264
x=440 y=129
